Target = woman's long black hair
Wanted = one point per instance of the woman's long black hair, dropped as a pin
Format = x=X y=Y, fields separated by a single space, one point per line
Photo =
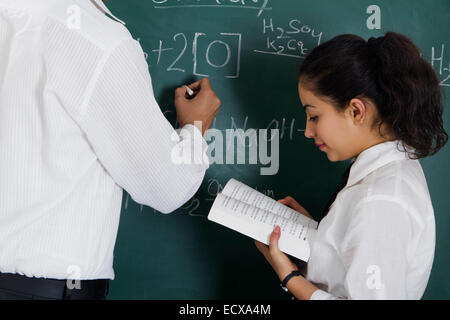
x=391 y=73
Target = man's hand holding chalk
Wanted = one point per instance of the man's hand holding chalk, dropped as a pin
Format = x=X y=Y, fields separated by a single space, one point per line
x=196 y=103
x=190 y=93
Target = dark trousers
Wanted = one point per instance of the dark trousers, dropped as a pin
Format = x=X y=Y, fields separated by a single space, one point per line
x=18 y=287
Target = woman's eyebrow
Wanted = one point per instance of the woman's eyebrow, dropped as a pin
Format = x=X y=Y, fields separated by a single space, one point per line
x=308 y=106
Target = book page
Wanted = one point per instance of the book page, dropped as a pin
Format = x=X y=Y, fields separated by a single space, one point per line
x=249 y=218
x=239 y=191
x=266 y=219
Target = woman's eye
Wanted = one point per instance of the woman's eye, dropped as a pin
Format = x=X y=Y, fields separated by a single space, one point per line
x=313 y=118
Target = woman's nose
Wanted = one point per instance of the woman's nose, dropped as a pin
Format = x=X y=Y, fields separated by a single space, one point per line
x=309 y=132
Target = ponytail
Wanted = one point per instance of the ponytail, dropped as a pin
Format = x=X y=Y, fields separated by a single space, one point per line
x=391 y=73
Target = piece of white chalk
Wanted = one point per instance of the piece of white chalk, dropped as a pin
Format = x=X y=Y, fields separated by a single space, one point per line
x=189 y=91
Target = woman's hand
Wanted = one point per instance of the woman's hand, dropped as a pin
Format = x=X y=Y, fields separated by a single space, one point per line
x=291 y=203
x=279 y=261
x=301 y=288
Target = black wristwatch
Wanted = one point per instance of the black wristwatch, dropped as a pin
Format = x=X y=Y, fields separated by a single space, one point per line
x=288 y=277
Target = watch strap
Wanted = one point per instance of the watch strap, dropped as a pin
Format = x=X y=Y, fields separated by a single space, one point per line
x=294 y=273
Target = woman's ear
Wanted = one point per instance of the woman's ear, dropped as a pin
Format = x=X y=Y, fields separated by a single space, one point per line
x=357 y=111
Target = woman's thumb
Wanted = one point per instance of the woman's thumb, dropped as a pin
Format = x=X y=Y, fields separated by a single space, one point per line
x=274 y=237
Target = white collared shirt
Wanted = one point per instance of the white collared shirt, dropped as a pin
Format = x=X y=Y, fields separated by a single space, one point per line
x=378 y=239
x=78 y=124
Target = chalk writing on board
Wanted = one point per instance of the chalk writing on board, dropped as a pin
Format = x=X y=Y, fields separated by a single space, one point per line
x=437 y=57
x=204 y=63
x=258 y=5
x=288 y=127
x=237 y=37
x=293 y=40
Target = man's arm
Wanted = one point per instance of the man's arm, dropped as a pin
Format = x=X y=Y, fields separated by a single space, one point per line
x=134 y=141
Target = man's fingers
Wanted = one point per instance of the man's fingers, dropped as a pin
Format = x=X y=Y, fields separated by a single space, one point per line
x=205 y=83
x=202 y=83
x=180 y=92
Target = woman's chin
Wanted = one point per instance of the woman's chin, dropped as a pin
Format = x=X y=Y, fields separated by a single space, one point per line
x=332 y=157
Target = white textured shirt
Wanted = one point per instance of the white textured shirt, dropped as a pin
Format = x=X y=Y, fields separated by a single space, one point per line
x=78 y=124
x=378 y=239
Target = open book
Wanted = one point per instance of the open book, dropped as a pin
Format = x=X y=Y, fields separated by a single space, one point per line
x=254 y=214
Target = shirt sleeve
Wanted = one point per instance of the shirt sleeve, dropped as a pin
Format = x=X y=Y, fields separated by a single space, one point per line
x=323 y=295
x=133 y=140
x=374 y=252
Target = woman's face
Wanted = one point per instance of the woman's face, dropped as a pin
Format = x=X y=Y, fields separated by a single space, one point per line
x=333 y=132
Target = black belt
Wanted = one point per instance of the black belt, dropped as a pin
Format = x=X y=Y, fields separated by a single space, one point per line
x=53 y=288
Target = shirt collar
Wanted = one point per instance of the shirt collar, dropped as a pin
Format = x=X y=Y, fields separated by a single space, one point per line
x=105 y=10
x=375 y=157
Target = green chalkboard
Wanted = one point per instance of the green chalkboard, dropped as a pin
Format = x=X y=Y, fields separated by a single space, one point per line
x=251 y=51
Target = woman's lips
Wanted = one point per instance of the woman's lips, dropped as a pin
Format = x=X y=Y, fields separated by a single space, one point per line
x=321 y=146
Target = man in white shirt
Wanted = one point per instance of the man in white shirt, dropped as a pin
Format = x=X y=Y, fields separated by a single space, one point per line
x=78 y=124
